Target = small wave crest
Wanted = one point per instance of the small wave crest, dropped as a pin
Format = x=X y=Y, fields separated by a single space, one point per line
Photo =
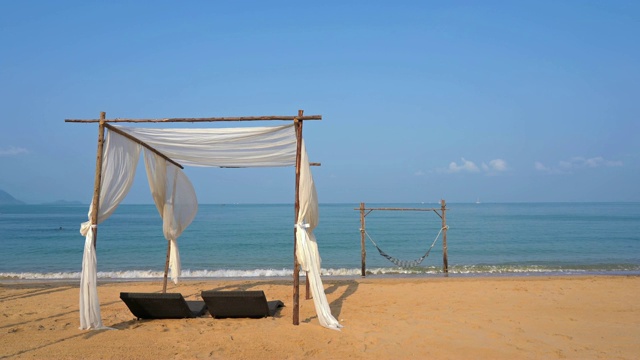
x=471 y=270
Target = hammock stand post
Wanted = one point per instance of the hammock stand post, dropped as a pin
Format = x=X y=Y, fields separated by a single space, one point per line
x=363 y=251
x=364 y=211
x=445 y=260
x=98 y=180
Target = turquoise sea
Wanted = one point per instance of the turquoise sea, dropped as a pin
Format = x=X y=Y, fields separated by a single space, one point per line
x=238 y=240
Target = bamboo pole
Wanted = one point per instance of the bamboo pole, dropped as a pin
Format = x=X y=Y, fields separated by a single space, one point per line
x=399 y=209
x=98 y=181
x=166 y=268
x=210 y=119
x=363 y=251
x=296 y=265
x=445 y=261
x=142 y=143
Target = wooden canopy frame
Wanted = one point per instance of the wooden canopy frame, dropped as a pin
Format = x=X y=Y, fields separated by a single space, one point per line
x=298 y=122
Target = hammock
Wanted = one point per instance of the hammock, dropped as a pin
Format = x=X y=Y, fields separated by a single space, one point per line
x=406 y=263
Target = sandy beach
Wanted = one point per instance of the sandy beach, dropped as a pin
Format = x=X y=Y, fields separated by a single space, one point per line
x=577 y=317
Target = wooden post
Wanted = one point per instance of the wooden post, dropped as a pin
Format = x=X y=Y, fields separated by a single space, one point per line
x=445 y=261
x=98 y=181
x=296 y=265
x=166 y=267
x=362 y=242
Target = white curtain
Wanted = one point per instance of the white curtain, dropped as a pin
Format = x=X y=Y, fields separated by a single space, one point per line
x=226 y=147
x=306 y=245
x=120 y=158
x=175 y=200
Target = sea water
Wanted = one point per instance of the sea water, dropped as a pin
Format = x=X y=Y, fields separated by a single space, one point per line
x=245 y=240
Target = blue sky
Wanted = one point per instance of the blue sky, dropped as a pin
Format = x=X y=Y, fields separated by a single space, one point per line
x=505 y=101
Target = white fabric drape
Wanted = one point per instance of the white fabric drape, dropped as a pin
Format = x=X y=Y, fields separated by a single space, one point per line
x=175 y=200
x=306 y=245
x=118 y=169
x=226 y=147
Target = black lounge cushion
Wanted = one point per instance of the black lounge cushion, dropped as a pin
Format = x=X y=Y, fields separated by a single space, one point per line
x=240 y=304
x=162 y=306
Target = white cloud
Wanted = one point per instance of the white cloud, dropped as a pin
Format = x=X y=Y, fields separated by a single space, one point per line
x=566 y=165
x=13 y=151
x=597 y=161
x=540 y=166
x=494 y=166
x=419 y=173
x=498 y=165
x=466 y=165
x=577 y=162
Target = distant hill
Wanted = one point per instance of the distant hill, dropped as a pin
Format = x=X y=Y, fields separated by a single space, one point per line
x=7 y=199
x=63 y=202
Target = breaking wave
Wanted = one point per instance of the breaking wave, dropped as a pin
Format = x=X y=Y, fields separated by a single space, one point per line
x=468 y=270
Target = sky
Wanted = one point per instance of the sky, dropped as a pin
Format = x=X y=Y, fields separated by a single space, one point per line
x=496 y=101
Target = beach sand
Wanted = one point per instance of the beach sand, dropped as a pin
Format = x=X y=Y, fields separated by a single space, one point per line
x=577 y=317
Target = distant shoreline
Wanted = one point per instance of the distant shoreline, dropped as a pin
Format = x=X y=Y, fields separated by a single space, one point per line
x=64 y=202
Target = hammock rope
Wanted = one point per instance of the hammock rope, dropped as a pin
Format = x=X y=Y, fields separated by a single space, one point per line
x=406 y=263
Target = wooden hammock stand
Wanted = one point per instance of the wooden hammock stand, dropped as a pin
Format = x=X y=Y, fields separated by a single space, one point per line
x=364 y=211
x=297 y=120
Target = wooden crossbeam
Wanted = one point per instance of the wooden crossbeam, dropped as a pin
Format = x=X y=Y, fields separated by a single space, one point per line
x=210 y=119
x=142 y=143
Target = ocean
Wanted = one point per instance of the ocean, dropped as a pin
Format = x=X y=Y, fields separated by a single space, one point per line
x=249 y=240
